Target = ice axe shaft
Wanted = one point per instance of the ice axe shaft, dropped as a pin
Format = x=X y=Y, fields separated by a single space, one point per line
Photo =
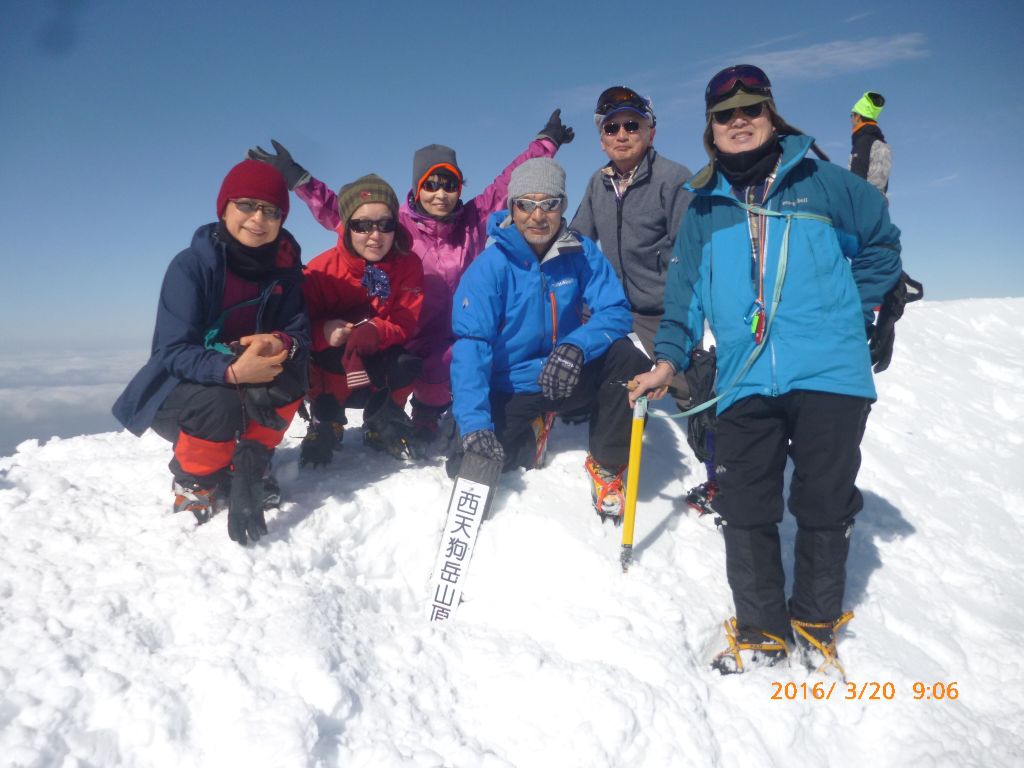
x=633 y=480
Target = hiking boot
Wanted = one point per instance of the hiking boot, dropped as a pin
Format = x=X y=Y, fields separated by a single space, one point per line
x=389 y=429
x=700 y=497
x=541 y=425
x=606 y=490
x=816 y=643
x=425 y=420
x=271 y=493
x=748 y=649
x=322 y=439
x=203 y=503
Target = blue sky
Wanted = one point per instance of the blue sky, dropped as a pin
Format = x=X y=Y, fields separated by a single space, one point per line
x=120 y=119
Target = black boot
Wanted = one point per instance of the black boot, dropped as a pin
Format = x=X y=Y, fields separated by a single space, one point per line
x=753 y=565
x=387 y=428
x=245 y=509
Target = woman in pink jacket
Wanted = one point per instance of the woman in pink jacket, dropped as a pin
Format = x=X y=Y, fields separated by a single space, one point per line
x=447 y=235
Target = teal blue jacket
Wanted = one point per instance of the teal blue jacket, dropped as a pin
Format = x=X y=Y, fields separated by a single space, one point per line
x=837 y=271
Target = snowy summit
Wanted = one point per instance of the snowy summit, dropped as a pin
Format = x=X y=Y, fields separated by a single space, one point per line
x=130 y=637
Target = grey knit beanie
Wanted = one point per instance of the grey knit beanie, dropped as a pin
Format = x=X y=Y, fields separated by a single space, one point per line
x=538 y=175
x=432 y=158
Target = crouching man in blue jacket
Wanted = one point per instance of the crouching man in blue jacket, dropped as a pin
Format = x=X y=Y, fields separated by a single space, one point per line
x=522 y=349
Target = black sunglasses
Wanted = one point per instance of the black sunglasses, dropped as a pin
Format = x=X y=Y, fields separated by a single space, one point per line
x=723 y=116
x=610 y=128
x=443 y=182
x=366 y=226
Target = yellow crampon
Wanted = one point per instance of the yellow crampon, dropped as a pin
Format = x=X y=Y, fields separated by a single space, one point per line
x=827 y=650
x=771 y=644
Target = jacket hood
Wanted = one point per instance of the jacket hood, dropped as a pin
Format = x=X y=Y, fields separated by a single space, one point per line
x=512 y=243
x=419 y=216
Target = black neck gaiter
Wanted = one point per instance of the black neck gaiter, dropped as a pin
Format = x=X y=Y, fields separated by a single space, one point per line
x=742 y=169
x=251 y=263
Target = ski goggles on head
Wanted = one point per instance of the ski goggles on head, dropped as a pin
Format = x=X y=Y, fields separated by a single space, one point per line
x=619 y=97
x=746 y=76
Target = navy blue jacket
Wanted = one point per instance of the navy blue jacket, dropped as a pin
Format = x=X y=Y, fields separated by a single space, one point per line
x=191 y=302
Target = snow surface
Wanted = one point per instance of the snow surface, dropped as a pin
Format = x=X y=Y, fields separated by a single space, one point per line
x=130 y=637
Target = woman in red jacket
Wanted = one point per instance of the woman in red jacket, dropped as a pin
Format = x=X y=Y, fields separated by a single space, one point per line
x=364 y=298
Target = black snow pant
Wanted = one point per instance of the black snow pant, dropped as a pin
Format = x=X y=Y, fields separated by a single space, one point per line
x=821 y=432
x=600 y=390
x=205 y=422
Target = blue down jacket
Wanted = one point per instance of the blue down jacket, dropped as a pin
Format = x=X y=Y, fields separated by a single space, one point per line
x=191 y=302
x=837 y=273
x=511 y=310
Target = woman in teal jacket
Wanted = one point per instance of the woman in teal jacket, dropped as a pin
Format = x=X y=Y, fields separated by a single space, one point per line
x=785 y=256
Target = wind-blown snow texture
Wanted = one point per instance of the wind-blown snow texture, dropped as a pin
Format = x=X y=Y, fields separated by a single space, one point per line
x=130 y=637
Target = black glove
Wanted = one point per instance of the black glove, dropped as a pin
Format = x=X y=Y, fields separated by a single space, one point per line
x=293 y=173
x=561 y=373
x=245 y=508
x=882 y=335
x=556 y=131
x=485 y=443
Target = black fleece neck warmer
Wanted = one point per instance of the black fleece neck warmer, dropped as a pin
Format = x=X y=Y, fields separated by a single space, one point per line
x=255 y=264
x=742 y=169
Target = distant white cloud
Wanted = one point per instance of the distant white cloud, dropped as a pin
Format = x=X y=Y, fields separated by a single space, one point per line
x=61 y=394
x=824 y=60
x=858 y=17
x=943 y=181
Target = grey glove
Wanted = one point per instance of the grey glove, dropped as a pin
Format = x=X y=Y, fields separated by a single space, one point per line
x=556 y=130
x=293 y=173
x=561 y=373
x=485 y=443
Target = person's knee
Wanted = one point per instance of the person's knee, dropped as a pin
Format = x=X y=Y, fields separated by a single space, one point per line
x=213 y=413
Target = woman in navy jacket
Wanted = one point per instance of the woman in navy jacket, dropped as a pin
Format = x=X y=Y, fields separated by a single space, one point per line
x=229 y=354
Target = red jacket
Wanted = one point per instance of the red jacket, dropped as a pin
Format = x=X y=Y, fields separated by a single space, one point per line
x=333 y=290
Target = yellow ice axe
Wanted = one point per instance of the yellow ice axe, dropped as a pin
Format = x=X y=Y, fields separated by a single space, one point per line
x=633 y=480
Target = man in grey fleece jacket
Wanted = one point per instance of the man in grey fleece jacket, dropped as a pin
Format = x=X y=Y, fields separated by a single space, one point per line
x=633 y=206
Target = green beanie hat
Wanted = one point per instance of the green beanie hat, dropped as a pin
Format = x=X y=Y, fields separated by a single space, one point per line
x=367 y=189
x=869 y=105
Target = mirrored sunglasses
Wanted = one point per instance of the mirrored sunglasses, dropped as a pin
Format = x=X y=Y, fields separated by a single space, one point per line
x=612 y=128
x=547 y=205
x=441 y=182
x=249 y=208
x=722 y=117
x=366 y=226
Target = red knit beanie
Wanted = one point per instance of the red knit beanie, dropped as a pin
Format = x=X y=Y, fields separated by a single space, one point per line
x=255 y=180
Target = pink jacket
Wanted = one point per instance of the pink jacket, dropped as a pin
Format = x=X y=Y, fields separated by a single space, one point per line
x=446 y=248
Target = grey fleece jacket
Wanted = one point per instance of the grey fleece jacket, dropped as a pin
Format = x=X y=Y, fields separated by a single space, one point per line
x=638 y=230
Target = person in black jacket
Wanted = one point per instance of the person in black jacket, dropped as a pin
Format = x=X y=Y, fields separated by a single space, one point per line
x=228 y=365
x=870 y=156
